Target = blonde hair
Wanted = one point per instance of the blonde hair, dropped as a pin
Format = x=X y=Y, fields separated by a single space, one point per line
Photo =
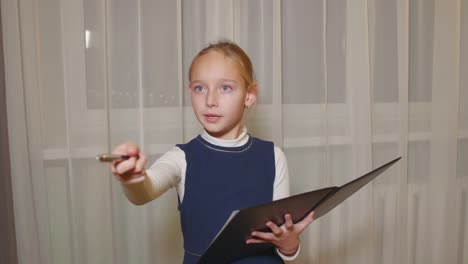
x=236 y=54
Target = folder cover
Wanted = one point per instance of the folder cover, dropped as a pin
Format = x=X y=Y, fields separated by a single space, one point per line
x=230 y=244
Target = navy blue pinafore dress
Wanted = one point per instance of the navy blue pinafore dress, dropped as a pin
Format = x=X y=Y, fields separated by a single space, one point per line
x=218 y=181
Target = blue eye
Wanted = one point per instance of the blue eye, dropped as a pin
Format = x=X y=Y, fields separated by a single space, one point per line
x=226 y=88
x=198 y=88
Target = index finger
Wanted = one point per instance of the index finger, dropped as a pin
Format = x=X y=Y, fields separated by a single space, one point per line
x=288 y=221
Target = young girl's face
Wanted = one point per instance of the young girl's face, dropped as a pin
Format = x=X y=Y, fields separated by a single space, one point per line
x=219 y=95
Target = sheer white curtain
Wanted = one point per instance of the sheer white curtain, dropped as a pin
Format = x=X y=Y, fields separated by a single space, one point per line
x=344 y=87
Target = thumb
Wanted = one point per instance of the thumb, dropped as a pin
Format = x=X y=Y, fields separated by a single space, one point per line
x=306 y=221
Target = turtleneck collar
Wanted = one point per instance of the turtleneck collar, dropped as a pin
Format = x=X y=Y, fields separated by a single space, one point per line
x=241 y=140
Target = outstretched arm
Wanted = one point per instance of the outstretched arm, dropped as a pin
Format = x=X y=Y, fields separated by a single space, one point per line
x=141 y=185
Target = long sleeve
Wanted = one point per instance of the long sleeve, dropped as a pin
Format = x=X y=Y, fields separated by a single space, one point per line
x=281 y=184
x=281 y=189
x=164 y=174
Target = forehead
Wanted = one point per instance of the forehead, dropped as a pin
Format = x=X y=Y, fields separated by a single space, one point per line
x=215 y=64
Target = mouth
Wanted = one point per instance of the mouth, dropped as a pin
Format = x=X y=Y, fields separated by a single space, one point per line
x=211 y=118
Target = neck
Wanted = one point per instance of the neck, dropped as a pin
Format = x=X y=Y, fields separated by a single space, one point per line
x=238 y=141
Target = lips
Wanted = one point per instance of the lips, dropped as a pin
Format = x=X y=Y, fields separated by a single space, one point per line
x=211 y=118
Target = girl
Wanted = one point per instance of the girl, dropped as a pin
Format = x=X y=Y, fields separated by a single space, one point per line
x=221 y=170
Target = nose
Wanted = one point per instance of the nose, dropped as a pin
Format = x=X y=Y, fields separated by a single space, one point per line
x=212 y=98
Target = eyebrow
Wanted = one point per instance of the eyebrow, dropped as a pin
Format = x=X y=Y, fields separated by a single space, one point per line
x=220 y=80
x=228 y=80
x=196 y=81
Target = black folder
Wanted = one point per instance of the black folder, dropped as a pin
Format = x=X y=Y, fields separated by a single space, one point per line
x=230 y=244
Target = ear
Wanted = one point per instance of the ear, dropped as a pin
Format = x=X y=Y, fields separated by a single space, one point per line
x=251 y=97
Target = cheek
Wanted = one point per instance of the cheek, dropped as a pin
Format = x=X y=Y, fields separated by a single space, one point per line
x=196 y=101
x=238 y=106
x=195 y=96
x=236 y=102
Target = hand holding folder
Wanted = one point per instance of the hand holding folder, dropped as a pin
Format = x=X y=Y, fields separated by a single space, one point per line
x=230 y=244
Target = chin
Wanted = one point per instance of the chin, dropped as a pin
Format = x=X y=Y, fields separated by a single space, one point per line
x=218 y=133
x=214 y=132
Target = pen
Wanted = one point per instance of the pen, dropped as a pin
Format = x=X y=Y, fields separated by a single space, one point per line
x=111 y=157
